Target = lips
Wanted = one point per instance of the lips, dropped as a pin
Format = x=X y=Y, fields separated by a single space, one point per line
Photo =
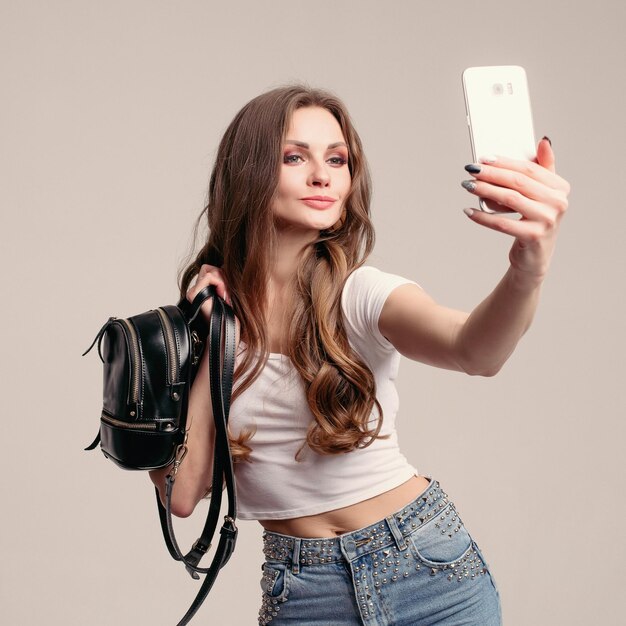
x=319 y=202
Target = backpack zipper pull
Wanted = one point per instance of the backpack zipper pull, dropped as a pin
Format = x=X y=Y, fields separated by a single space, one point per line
x=98 y=336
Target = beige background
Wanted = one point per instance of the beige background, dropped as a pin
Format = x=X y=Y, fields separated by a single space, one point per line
x=110 y=116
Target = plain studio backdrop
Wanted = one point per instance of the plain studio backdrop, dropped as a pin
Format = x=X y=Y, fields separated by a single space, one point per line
x=111 y=113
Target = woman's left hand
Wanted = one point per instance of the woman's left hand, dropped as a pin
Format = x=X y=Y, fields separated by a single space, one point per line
x=536 y=192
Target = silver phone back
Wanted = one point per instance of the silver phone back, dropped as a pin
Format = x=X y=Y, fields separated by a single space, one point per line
x=499 y=116
x=497 y=103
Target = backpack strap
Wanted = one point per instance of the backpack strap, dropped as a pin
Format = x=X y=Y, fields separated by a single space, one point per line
x=221 y=381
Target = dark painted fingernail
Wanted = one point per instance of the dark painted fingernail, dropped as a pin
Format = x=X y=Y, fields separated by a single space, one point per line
x=547 y=138
x=472 y=168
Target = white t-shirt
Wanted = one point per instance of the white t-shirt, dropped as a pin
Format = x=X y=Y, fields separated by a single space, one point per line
x=276 y=486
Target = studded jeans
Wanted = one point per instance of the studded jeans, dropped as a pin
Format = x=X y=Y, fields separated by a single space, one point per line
x=417 y=567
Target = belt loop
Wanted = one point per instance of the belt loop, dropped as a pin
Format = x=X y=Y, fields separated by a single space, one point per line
x=295 y=556
x=397 y=534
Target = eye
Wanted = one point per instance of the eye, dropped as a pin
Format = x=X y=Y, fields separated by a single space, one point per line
x=292 y=158
x=338 y=160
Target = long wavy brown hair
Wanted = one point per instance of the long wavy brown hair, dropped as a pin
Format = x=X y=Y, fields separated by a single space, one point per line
x=340 y=388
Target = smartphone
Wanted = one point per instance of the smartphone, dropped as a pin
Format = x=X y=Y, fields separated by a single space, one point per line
x=499 y=117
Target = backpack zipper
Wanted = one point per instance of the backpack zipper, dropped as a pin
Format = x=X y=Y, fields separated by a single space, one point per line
x=170 y=343
x=120 y=424
x=135 y=360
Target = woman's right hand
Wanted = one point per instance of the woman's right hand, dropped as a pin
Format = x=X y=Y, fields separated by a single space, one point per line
x=209 y=275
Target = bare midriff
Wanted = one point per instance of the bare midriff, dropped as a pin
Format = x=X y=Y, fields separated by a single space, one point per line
x=349 y=518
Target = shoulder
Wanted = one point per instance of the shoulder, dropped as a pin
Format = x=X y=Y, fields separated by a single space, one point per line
x=364 y=294
x=372 y=283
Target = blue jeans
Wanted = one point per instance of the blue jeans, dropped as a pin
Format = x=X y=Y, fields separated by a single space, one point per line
x=419 y=566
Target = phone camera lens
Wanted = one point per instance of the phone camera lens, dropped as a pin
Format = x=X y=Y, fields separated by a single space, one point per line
x=498 y=89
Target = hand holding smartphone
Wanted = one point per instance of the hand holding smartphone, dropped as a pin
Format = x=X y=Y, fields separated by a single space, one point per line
x=499 y=117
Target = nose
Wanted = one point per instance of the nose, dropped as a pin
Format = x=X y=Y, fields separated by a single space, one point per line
x=319 y=176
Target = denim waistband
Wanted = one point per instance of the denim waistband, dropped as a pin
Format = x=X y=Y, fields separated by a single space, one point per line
x=391 y=530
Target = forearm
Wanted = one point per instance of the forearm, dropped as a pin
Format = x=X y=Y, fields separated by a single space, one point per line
x=195 y=472
x=493 y=329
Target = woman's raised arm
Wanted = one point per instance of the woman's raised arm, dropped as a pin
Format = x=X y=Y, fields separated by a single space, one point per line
x=195 y=473
x=481 y=342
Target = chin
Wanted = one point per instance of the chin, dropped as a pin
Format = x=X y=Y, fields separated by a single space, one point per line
x=316 y=225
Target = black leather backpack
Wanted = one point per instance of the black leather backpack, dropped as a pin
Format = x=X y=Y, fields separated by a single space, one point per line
x=150 y=361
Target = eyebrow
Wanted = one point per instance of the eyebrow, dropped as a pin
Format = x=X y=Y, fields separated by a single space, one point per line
x=302 y=144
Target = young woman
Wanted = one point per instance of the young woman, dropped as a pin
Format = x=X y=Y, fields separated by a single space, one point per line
x=352 y=533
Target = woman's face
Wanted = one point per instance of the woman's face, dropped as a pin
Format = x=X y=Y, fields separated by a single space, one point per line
x=314 y=177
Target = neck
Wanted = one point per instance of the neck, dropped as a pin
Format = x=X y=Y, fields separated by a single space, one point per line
x=290 y=246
